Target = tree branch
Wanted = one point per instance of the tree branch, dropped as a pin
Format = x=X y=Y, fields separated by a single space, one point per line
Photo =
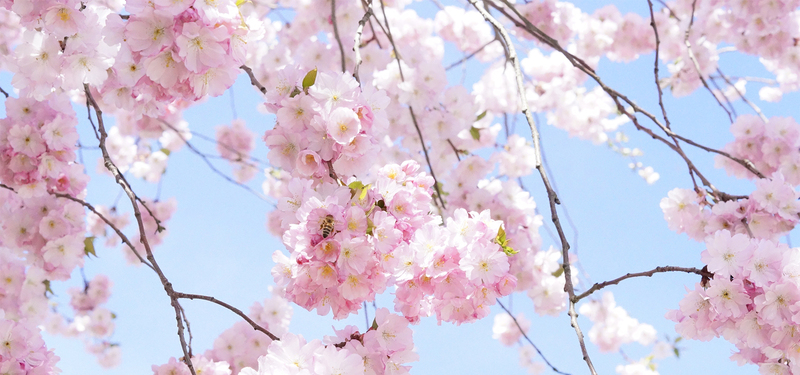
x=525 y=335
x=109 y=164
x=336 y=34
x=598 y=286
x=229 y=307
x=253 y=80
x=551 y=194
x=359 y=33
x=411 y=109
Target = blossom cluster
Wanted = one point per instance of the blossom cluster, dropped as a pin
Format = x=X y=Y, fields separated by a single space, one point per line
x=752 y=299
x=240 y=346
x=22 y=350
x=770 y=146
x=385 y=348
x=91 y=321
x=234 y=144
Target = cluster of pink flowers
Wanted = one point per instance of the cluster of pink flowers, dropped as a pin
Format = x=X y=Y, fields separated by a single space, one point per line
x=770 y=211
x=753 y=299
x=384 y=349
x=234 y=144
x=771 y=147
x=22 y=350
x=37 y=148
x=323 y=119
x=240 y=346
x=91 y=321
x=613 y=326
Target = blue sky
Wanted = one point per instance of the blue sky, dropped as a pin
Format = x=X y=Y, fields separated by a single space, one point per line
x=218 y=245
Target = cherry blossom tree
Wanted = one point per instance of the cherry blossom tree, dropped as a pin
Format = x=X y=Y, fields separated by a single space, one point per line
x=386 y=177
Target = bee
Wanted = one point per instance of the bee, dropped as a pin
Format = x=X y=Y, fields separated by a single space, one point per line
x=326 y=226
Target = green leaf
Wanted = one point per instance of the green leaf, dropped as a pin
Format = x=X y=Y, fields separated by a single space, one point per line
x=476 y=133
x=166 y=151
x=374 y=324
x=356 y=185
x=294 y=92
x=503 y=242
x=480 y=116
x=47 y=288
x=239 y=3
x=558 y=272
x=309 y=79
x=679 y=338
x=113 y=316
x=677 y=352
x=364 y=191
x=88 y=246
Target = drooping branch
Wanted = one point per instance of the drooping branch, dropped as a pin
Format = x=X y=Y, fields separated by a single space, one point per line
x=211 y=165
x=229 y=307
x=744 y=98
x=108 y=222
x=528 y=339
x=336 y=34
x=697 y=64
x=388 y=32
x=471 y=55
x=359 y=33
x=109 y=164
x=598 y=286
x=551 y=194
x=521 y=22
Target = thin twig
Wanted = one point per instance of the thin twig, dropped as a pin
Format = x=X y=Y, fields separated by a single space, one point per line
x=109 y=164
x=551 y=194
x=4 y=92
x=359 y=33
x=744 y=99
x=108 y=222
x=411 y=109
x=336 y=34
x=697 y=64
x=253 y=80
x=211 y=165
x=231 y=308
x=598 y=286
x=528 y=339
x=471 y=55
x=617 y=97
x=455 y=150
x=655 y=66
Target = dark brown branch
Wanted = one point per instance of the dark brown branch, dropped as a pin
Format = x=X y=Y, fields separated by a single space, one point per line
x=336 y=34
x=411 y=109
x=4 y=92
x=616 y=96
x=697 y=64
x=528 y=339
x=229 y=307
x=253 y=80
x=551 y=194
x=109 y=164
x=650 y=273
x=108 y=222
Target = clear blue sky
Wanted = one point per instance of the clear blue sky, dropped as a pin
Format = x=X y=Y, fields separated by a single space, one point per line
x=218 y=246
